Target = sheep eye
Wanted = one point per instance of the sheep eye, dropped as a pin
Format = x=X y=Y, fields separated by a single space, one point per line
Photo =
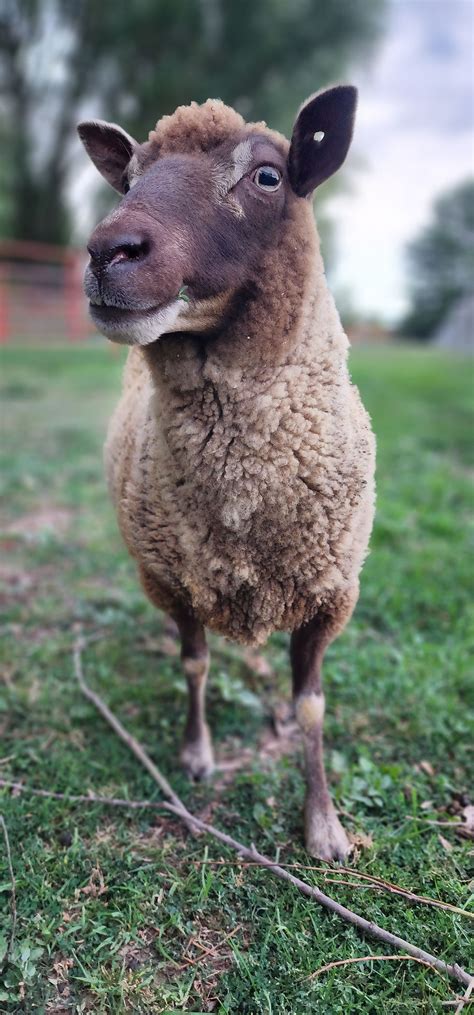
x=267 y=178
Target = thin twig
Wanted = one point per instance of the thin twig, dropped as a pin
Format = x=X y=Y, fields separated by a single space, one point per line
x=366 y=958
x=121 y=732
x=89 y=798
x=366 y=926
x=223 y=941
x=457 y=823
x=176 y=806
x=352 y=884
x=389 y=886
x=12 y=895
x=188 y=961
x=465 y=1000
x=374 y=882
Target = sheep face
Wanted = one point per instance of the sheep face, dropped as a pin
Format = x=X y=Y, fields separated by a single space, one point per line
x=204 y=202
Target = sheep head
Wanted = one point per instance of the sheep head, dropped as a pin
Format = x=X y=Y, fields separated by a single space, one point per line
x=204 y=202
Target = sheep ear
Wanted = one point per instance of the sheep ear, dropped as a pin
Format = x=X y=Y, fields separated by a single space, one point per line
x=321 y=137
x=109 y=147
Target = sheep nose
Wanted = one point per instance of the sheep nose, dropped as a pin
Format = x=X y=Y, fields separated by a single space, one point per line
x=106 y=251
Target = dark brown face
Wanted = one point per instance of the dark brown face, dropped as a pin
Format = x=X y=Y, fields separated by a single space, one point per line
x=192 y=228
x=187 y=236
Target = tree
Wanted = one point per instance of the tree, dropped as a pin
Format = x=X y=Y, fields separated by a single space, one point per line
x=133 y=60
x=441 y=262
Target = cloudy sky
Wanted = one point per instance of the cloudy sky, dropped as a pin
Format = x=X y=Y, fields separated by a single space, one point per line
x=414 y=138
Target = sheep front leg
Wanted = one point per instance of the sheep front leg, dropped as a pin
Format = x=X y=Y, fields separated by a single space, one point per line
x=324 y=834
x=196 y=753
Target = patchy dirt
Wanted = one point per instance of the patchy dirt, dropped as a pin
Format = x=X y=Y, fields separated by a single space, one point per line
x=275 y=741
x=163 y=828
x=162 y=646
x=14 y=581
x=208 y=950
x=134 y=957
x=360 y=842
x=45 y=519
x=59 y=978
x=95 y=886
x=21 y=583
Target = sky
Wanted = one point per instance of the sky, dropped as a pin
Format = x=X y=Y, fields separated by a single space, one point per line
x=413 y=140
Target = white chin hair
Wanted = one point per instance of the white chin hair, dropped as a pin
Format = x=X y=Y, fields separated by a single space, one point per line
x=143 y=329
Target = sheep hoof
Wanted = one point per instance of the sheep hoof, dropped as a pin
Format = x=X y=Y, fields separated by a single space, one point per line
x=325 y=836
x=197 y=758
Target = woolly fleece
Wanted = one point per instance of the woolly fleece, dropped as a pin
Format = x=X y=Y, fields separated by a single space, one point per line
x=242 y=465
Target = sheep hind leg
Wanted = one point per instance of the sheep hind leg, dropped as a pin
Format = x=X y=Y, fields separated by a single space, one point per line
x=324 y=834
x=197 y=755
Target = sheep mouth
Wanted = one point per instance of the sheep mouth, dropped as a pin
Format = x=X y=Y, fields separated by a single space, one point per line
x=135 y=326
x=103 y=312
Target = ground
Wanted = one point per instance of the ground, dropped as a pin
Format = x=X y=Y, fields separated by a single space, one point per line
x=123 y=911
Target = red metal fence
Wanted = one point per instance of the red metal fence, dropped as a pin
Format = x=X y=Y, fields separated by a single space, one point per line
x=41 y=297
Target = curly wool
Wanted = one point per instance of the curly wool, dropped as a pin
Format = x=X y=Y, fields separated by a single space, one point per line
x=199 y=128
x=242 y=467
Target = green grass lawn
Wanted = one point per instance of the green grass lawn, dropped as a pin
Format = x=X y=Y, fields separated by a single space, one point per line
x=122 y=911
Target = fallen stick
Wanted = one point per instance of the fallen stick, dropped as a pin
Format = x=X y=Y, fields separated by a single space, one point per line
x=465 y=1000
x=366 y=926
x=11 y=941
x=176 y=806
x=374 y=882
x=81 y=798
x=127 y=738
x=456 y=823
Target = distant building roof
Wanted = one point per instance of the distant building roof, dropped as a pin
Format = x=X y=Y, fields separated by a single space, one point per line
x=367 y=331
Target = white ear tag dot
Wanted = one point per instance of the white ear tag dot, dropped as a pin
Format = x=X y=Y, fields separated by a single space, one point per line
x=319 y=136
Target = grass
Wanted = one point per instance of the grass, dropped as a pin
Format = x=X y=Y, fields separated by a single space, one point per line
x=113 y=905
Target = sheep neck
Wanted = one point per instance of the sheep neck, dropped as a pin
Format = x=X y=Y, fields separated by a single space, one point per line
x=289 y=320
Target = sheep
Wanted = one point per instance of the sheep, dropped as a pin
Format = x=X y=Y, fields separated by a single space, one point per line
x=240 y=458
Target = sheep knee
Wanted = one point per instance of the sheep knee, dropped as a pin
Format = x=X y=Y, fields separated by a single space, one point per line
x=309 y=708
x=197 y=756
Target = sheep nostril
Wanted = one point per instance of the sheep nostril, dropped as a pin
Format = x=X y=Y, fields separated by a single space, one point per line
x=119 y=255
x=128 y=250
x=131 y=251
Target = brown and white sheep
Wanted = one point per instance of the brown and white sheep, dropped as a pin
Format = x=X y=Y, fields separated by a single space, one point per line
x=240 y=458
